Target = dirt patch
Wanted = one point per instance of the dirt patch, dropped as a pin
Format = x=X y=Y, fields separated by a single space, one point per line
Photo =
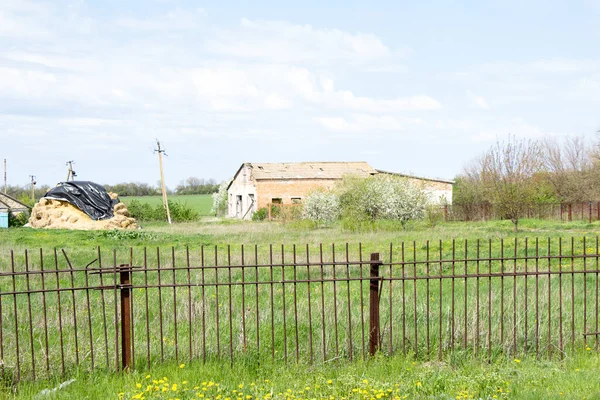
x=56 y=214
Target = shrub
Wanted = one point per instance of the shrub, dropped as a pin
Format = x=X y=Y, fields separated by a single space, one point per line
x=219 y=207
x=321 y=207
x=260 y=214
x=381 y=197
x=180 y=212
x=17 y=220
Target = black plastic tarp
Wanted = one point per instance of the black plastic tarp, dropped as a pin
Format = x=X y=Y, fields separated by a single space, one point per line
x=89 y=197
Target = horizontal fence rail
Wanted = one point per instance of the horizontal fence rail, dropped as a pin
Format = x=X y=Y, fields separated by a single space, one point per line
x=125 y=309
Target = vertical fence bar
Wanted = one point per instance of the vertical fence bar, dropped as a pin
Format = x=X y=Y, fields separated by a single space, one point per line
x=173 y=269
x=441 y=297
x=597 y=293
x=60 y=330
x=272 y=304
x=14 y=286
x=243 y=268
x=502 y=293
x=560 y=300
x=348 y=302
x=549 y=302
x=515 y=299
x=257 y=306
x=45 y=309
x=391 y=303
x=374 y=305
x=323 y=338
x=103 y=300
x=217 y=306
x=160 y=313
x=296 y=307
x=414 y=243
x=126 y=325
x=362 y=305
x=525 y=305
x=230 y=304
x=335 y=310
x=189 y=290
x=147 y=308
x=74 y=307
x=585 y=330
x=2 y=367
x=478 y=256
x=28 y=285
x=465 y=299
x=132 y=312
x=452 y=328
x=310 y=327
x=403 y=302
x=427 y=291
x=537 y=298
x=283 y=296
x=115 y=271
x=572 y=293
x=489 y=327
x=89 y=313
x=203 y=280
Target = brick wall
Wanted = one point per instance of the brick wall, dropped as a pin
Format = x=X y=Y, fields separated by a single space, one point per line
x=288 y=189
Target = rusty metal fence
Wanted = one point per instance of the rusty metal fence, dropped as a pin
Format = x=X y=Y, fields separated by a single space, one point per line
x=96 y=310
x=581 y=211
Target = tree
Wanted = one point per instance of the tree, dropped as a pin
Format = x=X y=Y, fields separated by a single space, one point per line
x=507 y=172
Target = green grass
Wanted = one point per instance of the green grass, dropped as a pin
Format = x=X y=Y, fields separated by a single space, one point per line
x=380 y=377
x=537 y=379
x=202 y=203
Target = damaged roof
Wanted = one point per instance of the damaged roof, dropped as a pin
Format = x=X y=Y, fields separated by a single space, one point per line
x=310 y=170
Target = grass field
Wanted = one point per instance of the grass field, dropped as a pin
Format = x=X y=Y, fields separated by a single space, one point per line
x=201 y=203
x=462 y=376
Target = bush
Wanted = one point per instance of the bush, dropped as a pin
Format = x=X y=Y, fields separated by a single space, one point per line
x=17 y=220
x=381 y=197
x=180 y=212
x=260 y=215
x=321 y=207
x=219 y=207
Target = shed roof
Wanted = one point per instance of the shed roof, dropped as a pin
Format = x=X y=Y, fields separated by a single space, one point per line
x=12 y=204
x=309 y=170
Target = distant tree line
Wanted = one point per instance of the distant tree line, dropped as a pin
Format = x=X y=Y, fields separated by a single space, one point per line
x=191 y=185
x=518 y=173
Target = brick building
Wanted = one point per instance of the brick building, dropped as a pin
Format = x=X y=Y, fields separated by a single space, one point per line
x=255 y=185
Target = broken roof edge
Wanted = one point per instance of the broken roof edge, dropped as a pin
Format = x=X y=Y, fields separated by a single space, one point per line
x=23 y=205
x=423 y=178
x=252 y=164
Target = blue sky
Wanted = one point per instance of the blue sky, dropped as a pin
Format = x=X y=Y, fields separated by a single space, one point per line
x=415 y=87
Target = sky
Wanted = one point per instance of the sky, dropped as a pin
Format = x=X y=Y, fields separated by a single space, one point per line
x=419 y=87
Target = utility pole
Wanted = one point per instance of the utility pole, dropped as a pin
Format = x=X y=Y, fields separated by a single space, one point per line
x=33 y=182
x=160 y=152
x=5 y=177
x=71 y=174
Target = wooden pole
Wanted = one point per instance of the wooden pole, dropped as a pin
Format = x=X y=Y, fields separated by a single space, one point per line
x=162 y=181
x=32 y=187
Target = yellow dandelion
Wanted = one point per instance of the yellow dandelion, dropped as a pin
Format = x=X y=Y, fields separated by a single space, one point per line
x=182 y=366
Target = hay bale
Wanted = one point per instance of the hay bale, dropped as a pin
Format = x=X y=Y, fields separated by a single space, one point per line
x=56 y=214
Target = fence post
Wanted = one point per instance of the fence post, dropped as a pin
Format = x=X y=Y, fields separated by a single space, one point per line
x=445 y=212
x=125 y=289
x=590 y=212
x=374 y=344
x=569 y=212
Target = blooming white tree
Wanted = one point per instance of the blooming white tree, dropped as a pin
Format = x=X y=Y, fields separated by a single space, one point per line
x=321 y=207
x=219 y=198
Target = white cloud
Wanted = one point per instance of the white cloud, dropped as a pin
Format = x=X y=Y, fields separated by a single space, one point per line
x=175 y=20
x=477 y=101
x=368 y=123
x=281 y=41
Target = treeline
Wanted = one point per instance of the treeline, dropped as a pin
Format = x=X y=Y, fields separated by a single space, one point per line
x=517 y=174
x=191 y=185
